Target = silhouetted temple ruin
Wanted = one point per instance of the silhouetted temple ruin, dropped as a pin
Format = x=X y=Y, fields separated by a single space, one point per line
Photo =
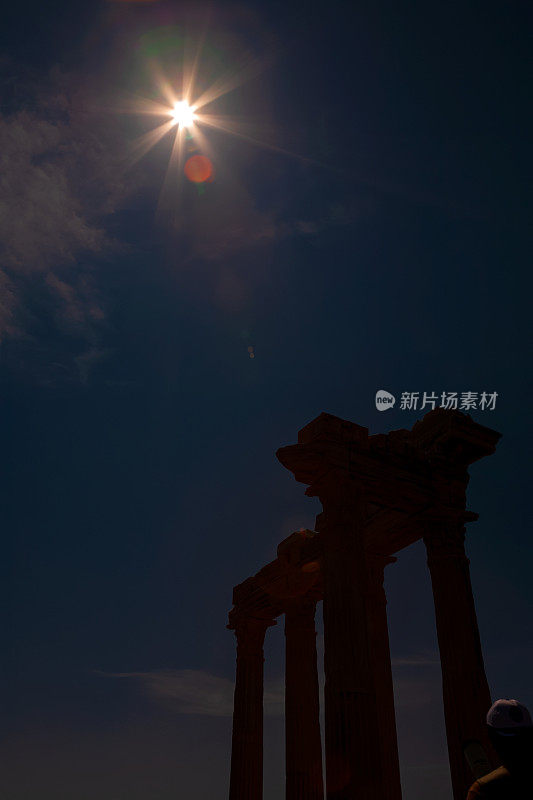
x=379 y=494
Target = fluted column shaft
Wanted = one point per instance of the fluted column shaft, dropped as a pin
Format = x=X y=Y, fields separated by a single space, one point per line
x=353 y=749
x=381 y=666
x=464 y=684
x=303 y=749
x=246 y=780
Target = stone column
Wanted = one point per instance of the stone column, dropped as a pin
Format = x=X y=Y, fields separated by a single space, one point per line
x=381 y=667
x=246 y=779
x=353 y=746
x=464 y=684
x=303 y=748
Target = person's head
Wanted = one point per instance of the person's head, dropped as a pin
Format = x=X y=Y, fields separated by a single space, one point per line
x=511 y=732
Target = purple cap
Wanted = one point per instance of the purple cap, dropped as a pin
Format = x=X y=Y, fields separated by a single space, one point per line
x=508 y=716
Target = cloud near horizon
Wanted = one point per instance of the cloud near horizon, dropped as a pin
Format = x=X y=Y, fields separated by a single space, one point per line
x=196 y=691
x=191 y=691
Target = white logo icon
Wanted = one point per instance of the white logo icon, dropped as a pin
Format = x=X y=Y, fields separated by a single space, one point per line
x=384 y=400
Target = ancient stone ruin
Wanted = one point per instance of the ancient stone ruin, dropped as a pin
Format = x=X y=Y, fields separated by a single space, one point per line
x=379 y=494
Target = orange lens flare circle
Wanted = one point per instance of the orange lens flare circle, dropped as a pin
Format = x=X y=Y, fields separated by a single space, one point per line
x=198 y=169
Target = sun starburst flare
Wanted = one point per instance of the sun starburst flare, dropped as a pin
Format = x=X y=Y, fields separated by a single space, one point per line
x=184 y=113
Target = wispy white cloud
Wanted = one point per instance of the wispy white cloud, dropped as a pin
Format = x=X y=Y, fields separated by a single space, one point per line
x=42 y=219
x=190 y=691
x=61 y=178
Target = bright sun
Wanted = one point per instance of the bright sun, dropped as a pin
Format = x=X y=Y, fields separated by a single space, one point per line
x=186 y=116
x=183 y=114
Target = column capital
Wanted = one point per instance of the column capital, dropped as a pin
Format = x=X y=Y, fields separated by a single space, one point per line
x=250 y=634
x=445 y=538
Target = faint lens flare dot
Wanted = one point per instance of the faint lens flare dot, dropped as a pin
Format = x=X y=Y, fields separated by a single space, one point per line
x=198 y=169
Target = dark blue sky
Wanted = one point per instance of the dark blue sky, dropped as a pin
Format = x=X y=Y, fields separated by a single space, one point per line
x=390 y=250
